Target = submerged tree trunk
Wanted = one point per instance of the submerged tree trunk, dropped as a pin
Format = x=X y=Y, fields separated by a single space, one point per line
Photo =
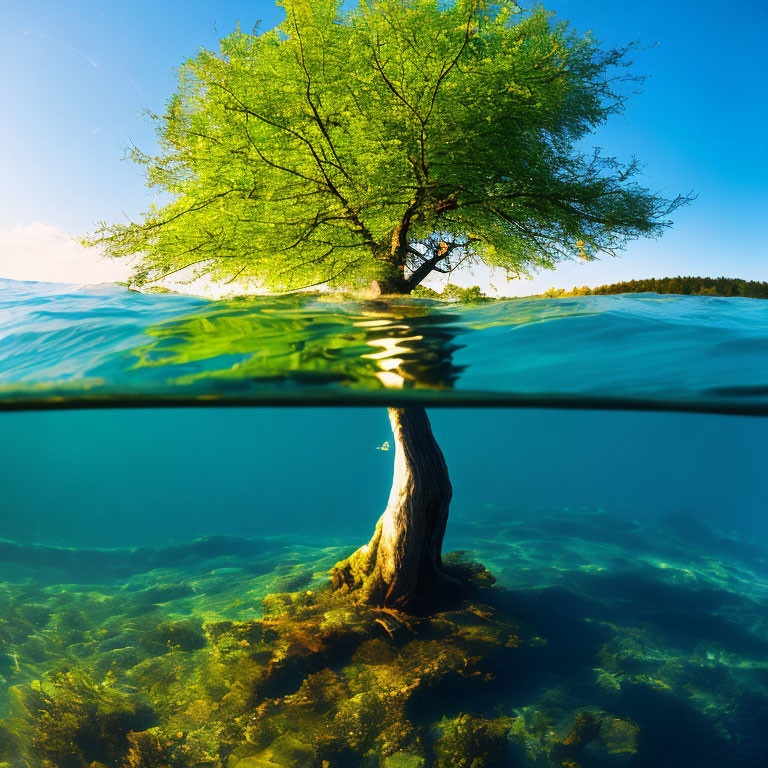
x=400 y=567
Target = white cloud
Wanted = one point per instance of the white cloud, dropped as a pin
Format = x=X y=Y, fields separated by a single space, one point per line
x=45 y=253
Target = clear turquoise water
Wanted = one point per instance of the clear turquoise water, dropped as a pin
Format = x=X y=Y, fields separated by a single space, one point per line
x=91 y=345
x=635 y=542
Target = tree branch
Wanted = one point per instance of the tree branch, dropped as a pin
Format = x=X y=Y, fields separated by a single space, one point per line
x=446 y=71
x=316 y=114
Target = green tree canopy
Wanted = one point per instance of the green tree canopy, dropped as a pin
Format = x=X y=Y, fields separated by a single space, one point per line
x=386 y=142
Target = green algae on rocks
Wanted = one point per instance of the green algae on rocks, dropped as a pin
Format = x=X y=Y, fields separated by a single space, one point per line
x=234 y=654
x=318 y=680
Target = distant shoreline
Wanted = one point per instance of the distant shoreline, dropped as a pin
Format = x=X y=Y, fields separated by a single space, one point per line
x=724 y=287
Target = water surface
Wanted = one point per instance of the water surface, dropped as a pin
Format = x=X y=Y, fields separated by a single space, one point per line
x=629 y=545
x=93 y=346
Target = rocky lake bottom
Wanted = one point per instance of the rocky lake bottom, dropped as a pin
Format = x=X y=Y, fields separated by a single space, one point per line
x=586 y=640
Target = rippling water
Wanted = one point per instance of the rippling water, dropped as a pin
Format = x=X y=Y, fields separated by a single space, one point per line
x=108 y=343
x=139 y=547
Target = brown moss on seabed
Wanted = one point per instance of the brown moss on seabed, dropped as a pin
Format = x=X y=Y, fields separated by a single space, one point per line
x=342 y=682
x=318 y=681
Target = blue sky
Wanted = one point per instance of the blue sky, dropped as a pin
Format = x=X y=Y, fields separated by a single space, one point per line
x=77 y=74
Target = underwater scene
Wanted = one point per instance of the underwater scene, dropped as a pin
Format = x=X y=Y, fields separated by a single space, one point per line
x=295 y=474
x=178 y=580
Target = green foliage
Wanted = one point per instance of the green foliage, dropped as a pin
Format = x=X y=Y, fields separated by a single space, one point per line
x=559 y=293
x=686 y=286
x=290 y=344
x=385 y=142
x=473 y=295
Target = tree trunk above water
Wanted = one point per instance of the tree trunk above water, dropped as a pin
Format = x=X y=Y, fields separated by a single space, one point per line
x=400 y=567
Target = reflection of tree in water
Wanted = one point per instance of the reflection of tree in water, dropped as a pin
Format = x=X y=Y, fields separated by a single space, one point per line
x=303 y=347
x=300 y=342
x=416 y=345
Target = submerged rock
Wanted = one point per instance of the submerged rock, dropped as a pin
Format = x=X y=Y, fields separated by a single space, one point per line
x=71 y=721
x=317 y=680
x=472 y=742
x=328 y=678
x=205 y=664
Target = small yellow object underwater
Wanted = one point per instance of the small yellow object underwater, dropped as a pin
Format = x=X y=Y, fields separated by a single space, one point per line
x=383 y=447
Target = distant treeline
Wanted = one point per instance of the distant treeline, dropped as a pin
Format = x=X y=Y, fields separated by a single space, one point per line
x=688 y=286
x=471 y=295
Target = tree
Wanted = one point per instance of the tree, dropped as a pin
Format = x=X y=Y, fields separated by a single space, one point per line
x=380 y=145
x=397 y=139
